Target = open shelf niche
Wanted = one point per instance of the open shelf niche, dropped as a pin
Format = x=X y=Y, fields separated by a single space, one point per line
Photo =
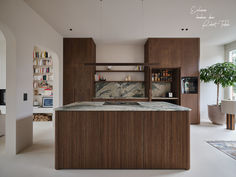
x=164 y=84
x=42 y=85
x=119 y=81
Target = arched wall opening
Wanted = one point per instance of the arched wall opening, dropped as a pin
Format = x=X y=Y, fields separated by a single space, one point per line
x=2 y=89
x=56 y=74
x=10 y=120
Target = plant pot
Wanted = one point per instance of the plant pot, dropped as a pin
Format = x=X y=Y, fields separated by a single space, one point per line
x=215 y=115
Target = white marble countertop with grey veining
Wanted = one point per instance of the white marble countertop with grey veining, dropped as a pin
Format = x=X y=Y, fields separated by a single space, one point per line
x=124 y=106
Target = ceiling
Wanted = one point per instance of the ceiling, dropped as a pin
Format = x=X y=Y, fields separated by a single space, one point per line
x=132 y=21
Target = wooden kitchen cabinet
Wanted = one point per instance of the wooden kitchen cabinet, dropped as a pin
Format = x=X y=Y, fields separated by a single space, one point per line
x=78 y=83
x=183 y=53
x=122 y=140
x=165 y=52
x=166 y=146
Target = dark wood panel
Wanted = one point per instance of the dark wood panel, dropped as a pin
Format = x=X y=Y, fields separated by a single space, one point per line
x=78 y=140
x=164 y=51
x=120 y=64
x=78 y=80
x=123 y=140
x=192 y=101
x=190 y=57
x=68 y=69
x=177 y=52
x=166 y=140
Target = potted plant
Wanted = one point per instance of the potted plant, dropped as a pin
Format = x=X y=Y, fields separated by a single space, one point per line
x=223 y=74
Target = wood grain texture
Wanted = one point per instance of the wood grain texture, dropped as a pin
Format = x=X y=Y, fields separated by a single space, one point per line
x=178 y=52
x=78 y=80
x=166 y=140
x=191 y=101
x=122 y=140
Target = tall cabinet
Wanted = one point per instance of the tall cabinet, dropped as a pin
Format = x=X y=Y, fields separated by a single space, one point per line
x=180 y=53
x=78 y=82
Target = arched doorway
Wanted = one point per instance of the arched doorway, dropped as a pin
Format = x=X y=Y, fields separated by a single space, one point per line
x=2 y=91
x=45 y=80
x=10 y=120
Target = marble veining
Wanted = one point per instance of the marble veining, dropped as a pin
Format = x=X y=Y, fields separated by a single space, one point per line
x=143 y=106
x=160 y=89
x=119 y=90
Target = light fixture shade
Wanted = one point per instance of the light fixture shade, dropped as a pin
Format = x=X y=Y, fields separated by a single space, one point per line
x=228 y=106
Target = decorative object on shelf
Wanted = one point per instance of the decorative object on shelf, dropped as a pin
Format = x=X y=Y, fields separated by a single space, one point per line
x=162 y=75
x=109 y=68
x=189 y=85
x=229 y=107
x=170 y=94
x=128 y=78
x=36 y=103
x=223 y=74
x=47 y=102
x=140 y=68
x=102 y=78
x=96 y=77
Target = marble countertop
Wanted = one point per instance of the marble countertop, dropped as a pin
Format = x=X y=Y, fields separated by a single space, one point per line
x=143 y=106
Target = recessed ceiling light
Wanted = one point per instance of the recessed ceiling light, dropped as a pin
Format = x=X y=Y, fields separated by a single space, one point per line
x=184 y=29
x=70 y=29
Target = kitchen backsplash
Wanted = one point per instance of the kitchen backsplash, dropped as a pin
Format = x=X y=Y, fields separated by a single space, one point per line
x=119 y=89
x=160 y=89
x=129 y=89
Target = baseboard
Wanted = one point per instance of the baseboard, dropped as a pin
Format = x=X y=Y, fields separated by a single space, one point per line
x=24 y=133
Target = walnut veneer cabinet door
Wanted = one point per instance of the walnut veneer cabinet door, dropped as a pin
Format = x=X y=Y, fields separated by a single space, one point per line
x=192 y=101
x=98 y=139
x=166 y=140
x=166 y=52
x=122 y=137
x=78 y=79
x=68 y=71
x=78 y=143
x=190 y=57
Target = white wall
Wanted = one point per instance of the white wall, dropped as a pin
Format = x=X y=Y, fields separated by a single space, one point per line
x=28 y=29
x=208 y=91
x=111 y=53
x=2 y=61
x=228 y=48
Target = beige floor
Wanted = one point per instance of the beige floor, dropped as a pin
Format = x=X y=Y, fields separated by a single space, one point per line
x=38 y=160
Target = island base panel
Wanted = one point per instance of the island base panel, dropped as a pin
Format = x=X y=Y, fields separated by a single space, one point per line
x=122 y=140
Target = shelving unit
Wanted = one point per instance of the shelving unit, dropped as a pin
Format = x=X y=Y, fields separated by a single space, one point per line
x=42 y=84
x=164 y=98
x=119 y=81
x=130 y=71
x=164 y=76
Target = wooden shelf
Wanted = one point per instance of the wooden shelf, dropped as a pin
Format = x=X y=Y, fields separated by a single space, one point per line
x=164 y=98
x=119 y=81
x=42 y=80
x=43 y=73
x=42 y=66
x=121 y=64
x=40 y=58
x=161 y=81
x=121 y=99
x=119 y=71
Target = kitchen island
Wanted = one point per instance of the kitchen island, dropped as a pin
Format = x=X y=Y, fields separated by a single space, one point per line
x=122 y=135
